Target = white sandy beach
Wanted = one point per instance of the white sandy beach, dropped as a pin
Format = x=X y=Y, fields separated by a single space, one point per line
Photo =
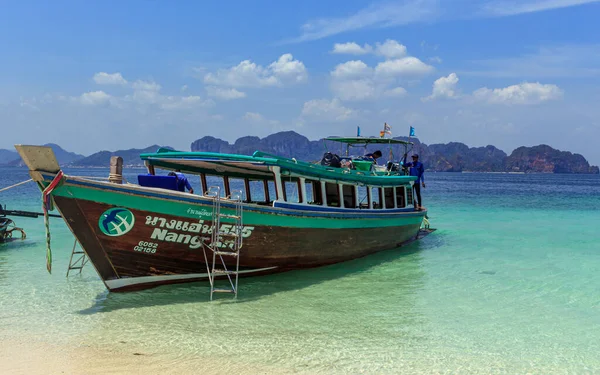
x=33 y=357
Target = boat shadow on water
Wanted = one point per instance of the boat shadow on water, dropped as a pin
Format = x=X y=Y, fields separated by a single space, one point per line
x=17 y=243
x=255 y=288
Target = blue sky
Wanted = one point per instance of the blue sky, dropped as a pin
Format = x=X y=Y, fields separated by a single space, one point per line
x=121 y=74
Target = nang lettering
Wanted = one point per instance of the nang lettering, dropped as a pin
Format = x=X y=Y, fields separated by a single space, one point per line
x=173 y=228
x=194 y=241
x=164 y=235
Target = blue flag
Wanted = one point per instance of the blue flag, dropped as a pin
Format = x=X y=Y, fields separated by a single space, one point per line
x=412 y=132
x=358 y=131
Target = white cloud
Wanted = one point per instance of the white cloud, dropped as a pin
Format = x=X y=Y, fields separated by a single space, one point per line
x=224 y=93
x=376 y=15
x=146 y=92
x=351 y=48
x=146 y=95
x=509 y=8
x=386 y=14
x=524 y=93
x=286 y=69
x=94 y=98
x=327 y=110
x=249 y=74
x=390 y=49
x=29 y=104
x=351 y=69
x=146 y=86
x=395 y=92
x=435 y=60
x=183 y=102
x=253 y=116
x=407 y=66
x=245 y=74
x=444 y=87
x=103 y=78
x=354 y=89
x=355 y=80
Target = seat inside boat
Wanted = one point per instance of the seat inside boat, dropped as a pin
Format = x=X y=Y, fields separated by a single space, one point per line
x=163 y=182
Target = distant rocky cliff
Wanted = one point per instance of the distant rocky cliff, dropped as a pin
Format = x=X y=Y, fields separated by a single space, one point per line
x=448 y=157
x=63 y=157
x=545 y=159
x=130 y=157
x=286 y=144
x=458 y=157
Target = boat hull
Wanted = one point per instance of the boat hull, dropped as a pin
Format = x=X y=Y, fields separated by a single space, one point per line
x=4 y=228
x=138 y=239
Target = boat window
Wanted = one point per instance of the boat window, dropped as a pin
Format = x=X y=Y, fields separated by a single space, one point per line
x=272 y=191
x=409 y=197
x=257 y=191
x=376 y=197
x=400 y=197
x=292 y=193
x=333 y=194
x=309 y=187
x=216 y=181
x=313 y=192
x=389 y=197
x=238 y=184
x=363 y=197
x=202 y=188
x=349 y=196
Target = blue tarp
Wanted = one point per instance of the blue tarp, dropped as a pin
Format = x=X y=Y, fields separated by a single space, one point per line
x=164 y=182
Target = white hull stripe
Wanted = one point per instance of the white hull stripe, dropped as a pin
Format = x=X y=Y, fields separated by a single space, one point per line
x=128 y=281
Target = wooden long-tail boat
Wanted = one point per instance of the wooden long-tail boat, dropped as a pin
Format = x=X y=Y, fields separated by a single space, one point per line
x=295 y=214
x=8 y=228
x=5 y=223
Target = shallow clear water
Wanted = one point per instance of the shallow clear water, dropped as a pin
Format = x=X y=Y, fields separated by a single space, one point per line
x=509 y=283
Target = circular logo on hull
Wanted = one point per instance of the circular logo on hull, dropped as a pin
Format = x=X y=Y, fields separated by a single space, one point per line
x=116 y=221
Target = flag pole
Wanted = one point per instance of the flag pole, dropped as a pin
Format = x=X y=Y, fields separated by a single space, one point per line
x=410 y=132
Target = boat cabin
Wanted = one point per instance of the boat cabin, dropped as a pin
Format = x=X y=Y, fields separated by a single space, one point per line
x=265 y=179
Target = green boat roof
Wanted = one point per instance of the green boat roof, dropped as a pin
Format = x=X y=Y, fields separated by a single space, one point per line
x=257 y=166
x=367 y=140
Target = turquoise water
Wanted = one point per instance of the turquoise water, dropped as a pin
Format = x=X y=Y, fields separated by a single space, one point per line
x=509 y=283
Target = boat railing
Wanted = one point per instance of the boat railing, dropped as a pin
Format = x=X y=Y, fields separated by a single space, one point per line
x=101 y=178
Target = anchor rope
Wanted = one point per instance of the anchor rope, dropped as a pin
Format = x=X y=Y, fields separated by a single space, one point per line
x=46 y=206
x=115 y=177
x=15 y=185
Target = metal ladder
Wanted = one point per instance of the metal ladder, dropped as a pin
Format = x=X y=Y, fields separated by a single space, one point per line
x=221 y=249
x=80 y=259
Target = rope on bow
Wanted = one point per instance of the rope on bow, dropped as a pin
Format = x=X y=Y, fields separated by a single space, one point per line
x=46 y=206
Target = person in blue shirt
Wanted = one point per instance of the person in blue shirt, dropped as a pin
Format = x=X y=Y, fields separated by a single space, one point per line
x=416 y=169
x=182 y=181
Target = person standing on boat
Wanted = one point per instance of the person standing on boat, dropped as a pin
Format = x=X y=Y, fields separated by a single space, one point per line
x=182 y=181
x=373 y=156
x=416 y=169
